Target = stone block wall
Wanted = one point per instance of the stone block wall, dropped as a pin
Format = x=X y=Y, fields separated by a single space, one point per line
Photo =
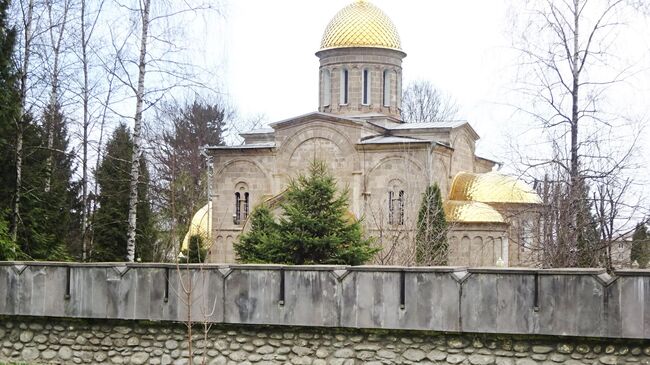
x=61 y=341
x=569 y=302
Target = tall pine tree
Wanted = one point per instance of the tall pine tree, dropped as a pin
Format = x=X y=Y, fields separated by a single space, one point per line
x=50 y=213
x=110 y=222
x=640 y=251
x=9 y=104
x=431 y=246
x=315 y=227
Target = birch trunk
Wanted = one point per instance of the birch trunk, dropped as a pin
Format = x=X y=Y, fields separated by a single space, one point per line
x=19 y=121
x=56 y=38
x=84 y=157
x=137 y=129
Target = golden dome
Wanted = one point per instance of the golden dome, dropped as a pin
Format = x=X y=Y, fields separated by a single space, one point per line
x=361 y=24
x=471 y=212
x=200 y=225
x=492 y=187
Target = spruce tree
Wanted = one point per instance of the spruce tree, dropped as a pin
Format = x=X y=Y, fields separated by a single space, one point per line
x=263 y=243
x=640 y=251
x=431 y=246
x=314 y=229
x=9 y=105
x=49 y=215
x=588 y=237
x=110 y=222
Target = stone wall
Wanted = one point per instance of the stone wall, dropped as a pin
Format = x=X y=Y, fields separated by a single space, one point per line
x=61 y=341
x=569 y=302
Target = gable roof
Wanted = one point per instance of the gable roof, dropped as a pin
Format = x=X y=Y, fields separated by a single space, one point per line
x=434 y=125
x=312 y=115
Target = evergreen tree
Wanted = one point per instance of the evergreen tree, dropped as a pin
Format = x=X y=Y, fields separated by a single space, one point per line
x=196 y=251
x=261 y=244
x=431 y=246
x=314 y=229
x=640 y=251
x=110 y=223
x=8 y=249
x=9 y=105
x=49 y=215
x=588 y=237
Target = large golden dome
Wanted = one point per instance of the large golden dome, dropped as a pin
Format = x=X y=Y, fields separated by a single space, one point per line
x=491 y=187
x=361 y=24
x=471 y=212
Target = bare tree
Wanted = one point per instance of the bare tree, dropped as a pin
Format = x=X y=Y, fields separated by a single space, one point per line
x=88 y=21
x=179 y=169
x=159 y=60
x=567 y=71
x=57 y=21
x=423 y=103
x=137 y=129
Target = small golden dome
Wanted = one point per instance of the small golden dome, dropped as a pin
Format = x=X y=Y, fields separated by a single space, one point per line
x=492 y=187
x=361 y=24
x=471 y=212
x=200 y=225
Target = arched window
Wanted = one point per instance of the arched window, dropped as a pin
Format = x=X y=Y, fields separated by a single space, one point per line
x=327 y=88
x=396 y=207
x=365 y=82
x=344 y=86
x=386 y=100
x=241 y=207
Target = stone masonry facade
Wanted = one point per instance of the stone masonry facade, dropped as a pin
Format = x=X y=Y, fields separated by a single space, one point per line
x=60 y=341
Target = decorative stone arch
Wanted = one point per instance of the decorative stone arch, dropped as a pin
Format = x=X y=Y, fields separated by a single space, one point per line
x=233 y=174
x=244 y=160
x=317 y=130
x=396 y=158
x=378 y=206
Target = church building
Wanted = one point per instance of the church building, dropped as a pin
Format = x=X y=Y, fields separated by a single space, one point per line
x=385 y=163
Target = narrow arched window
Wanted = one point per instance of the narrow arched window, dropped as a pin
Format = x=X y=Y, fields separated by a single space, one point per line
x=327 y=88
x=391 y=207
x=365 y=82
x=235 y=218
x=242 y=203
x=401 y=200
x=246 y=205
x=344 y=86
x=396 y=203
x=386 y=100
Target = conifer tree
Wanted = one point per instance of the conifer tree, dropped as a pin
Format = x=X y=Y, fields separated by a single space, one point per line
x=640 y=251
x=431 y=246
x=262 y=243
x=51 y=210
x=315 y=227
x=111 y=219
x=587 y=236
x=9 y=105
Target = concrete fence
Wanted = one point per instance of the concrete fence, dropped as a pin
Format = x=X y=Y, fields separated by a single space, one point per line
x=570 y=302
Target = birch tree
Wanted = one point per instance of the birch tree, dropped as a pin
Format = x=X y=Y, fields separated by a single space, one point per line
x=568 y=68
x=57 y=21
x=88 y=21
x=160 y=62
x=26 y=10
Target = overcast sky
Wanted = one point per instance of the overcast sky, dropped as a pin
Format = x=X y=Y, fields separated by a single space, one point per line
x=266 y=56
